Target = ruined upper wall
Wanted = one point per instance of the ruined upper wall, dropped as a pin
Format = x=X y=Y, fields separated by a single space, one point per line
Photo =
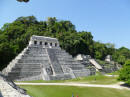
x=45 y=42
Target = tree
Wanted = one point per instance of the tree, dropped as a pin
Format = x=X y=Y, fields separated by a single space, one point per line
x=121 y=55
x=125 y=73
x=110 y=48
x=100 y=50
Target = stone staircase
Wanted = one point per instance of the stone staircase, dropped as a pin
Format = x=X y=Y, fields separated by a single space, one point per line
x=97 y=66
x=66 y=60
x=54 y=61
x=13 y=62
x=28 y=65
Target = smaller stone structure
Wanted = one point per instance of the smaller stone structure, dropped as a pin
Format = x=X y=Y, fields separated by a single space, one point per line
x=94 y=65
x=109 y=65
x=9 y=89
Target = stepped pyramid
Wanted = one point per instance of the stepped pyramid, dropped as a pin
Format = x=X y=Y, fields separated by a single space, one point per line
x=43 y=59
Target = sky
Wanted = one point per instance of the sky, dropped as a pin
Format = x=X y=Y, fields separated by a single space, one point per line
x=107 y=20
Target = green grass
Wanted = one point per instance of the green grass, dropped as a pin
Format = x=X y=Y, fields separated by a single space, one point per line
x=66 y=91
x=114 y=73
x=97 y=79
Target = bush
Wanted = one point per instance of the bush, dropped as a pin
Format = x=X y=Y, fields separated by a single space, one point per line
x=125 y=73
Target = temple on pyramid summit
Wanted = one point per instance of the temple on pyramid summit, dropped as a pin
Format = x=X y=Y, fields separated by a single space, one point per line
x=43 y=59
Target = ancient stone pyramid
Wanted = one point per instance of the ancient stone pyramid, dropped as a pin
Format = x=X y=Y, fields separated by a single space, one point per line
x=44 y=59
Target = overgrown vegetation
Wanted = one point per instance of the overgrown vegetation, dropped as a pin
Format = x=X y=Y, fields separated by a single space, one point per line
x=14 y=38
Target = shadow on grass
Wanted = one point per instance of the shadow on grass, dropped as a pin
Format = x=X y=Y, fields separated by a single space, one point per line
x=125 y=85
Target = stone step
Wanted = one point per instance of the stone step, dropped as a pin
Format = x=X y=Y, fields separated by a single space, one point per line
x=23 y=74
x=61 y=77
x=27 y=64
x=76 y=68
x=64 y=57
x=34 y=55
x=62 y=54
x=36 y=48
x=73 y=63
x=26 y=69
x=32 y=60
x=70 y=63
x=18 y=77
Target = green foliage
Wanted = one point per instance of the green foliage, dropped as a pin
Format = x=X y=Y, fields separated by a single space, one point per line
x=110 y=48
x=100 y=50
x=125 y=73
x=121 y=55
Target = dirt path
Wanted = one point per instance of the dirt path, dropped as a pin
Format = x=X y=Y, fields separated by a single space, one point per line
x=116 y=86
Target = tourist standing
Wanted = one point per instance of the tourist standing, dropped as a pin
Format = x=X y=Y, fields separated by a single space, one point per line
x=72 y=95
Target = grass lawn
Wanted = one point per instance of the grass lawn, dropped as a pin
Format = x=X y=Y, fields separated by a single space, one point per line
x=115 y=73
x=97 y=79
x=66 y=91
